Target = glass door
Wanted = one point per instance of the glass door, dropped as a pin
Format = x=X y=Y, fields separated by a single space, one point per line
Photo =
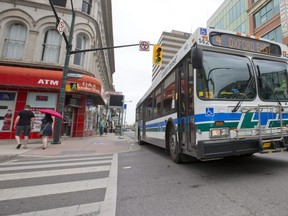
x=67 y=123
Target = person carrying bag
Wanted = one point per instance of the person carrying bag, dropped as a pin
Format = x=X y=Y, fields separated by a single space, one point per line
x=46 y=129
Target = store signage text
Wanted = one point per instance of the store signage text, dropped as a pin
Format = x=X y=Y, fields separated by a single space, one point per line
x=89 y=85
x=48 y=82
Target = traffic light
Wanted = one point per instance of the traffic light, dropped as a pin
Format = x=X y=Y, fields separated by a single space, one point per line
x=157 y=54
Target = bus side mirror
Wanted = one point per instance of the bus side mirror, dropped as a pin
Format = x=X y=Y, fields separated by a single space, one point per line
x=197 y=57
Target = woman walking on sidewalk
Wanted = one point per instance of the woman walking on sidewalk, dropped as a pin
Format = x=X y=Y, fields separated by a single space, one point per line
x=46 y=127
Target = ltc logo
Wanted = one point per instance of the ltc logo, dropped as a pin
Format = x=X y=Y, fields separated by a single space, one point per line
x=267 y=119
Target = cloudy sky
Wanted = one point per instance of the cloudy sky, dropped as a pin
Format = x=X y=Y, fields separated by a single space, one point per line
x=135 y=21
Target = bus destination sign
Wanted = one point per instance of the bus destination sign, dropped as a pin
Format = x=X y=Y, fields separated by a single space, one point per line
x=243 y=43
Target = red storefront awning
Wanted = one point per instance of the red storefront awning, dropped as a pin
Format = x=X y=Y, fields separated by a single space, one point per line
x=51 y=79
x=30 y=77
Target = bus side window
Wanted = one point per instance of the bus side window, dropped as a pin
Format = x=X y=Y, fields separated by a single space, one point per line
x=169 y=92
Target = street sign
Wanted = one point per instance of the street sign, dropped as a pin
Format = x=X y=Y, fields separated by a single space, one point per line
x=144 y=46
x=61 y=26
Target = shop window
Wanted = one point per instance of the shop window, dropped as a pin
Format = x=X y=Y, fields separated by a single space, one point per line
x=86 y=6
x=90 y=117
x=81 y=42
x=14 y=43
x=51 y=46
x=7 y=109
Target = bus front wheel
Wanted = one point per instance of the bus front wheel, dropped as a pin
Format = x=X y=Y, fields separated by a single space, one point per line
x=175 y=153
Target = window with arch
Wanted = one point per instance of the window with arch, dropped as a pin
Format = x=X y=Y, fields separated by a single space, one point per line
x=14 y=43
x=51 y=46
x=81 y=42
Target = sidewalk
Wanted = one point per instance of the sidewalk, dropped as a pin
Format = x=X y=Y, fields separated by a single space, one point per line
x=109 y=143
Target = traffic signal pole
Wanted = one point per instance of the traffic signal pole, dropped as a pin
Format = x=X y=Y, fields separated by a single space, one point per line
x=68 y=41
x=61 y=102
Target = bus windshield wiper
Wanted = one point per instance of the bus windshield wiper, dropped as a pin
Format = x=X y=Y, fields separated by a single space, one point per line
x=247 y=87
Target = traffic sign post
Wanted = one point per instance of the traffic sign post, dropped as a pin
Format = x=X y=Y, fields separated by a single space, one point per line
x=61 y=26
x=144 y=46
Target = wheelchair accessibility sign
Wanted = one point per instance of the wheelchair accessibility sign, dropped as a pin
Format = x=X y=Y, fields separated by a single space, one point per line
x=209 y=112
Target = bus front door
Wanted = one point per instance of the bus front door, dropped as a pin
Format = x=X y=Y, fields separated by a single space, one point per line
x=186 y=107
x=182 y=106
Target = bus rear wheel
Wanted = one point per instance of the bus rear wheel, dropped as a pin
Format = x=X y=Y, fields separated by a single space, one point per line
x=175 y=154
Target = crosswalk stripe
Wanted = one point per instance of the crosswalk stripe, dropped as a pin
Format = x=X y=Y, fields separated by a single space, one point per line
x=25 y=175
x=42 y=190
x=109 y=204
x=15 y=163
x=35 y=166
x=69 y=173
x=85 y=209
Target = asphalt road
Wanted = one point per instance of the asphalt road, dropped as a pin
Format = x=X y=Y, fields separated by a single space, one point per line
x=149 y=183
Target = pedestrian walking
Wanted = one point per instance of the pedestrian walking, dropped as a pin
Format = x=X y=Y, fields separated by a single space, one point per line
x=23 y=124
x=101 y=126
x=46 y=129
x=106 y=128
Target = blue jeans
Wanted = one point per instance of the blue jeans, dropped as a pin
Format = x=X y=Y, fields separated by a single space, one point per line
x=101 y=130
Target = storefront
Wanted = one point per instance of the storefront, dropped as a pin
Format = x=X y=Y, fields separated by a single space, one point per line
x=40 y=89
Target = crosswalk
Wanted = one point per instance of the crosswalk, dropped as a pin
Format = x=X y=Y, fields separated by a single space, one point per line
x=73 y=186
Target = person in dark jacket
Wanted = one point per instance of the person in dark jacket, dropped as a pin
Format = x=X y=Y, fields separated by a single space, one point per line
x=46 y=127
x=23 y=124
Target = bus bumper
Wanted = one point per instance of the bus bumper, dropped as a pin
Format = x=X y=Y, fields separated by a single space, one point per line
x=225 y=148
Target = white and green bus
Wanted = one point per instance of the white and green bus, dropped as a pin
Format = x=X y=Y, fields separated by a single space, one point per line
x=223 y=94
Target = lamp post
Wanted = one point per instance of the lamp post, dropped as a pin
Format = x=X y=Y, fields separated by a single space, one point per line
x=121 y=126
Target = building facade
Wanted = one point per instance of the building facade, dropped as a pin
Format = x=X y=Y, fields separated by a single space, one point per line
x=265 y=18
x=171 y=42
x=33 y=54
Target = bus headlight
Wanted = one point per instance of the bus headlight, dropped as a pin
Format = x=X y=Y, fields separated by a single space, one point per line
x=219 y=132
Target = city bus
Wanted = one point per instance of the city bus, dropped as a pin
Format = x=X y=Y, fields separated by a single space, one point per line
x=223 y=94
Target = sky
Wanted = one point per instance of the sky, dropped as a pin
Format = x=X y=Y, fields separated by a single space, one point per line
x=134 y=21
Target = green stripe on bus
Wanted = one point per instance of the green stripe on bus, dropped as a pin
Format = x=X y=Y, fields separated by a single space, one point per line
x=276 y=123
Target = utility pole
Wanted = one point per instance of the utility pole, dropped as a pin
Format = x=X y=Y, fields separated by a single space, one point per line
x=62 y=95
x=61 y=103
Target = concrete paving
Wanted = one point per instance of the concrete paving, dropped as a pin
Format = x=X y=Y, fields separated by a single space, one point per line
x=109 y=143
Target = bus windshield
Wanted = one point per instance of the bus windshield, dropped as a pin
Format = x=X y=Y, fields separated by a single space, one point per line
x=272 y=79
x=225 y=76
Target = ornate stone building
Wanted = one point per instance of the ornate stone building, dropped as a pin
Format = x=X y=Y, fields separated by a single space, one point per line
x=32 y=56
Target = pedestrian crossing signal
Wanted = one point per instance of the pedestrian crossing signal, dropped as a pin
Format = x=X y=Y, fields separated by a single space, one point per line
x=157 y=54
x=74 y=86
